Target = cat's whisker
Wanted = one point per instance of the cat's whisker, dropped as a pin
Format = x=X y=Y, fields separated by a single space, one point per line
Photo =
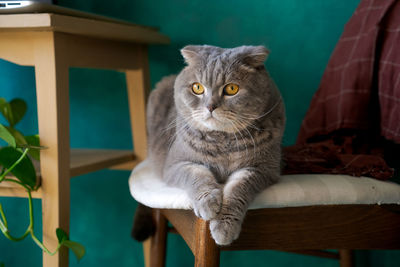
x=238 y=130
x=237 y=142
x=248 y=124
x=242 y=125
x=174 y=124
x=230 y=116
x=251 y=136
x=177 y=133
x=170 y=126
x=188 y=103
x=266 y=113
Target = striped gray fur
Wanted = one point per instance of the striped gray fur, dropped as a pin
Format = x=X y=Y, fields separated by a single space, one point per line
x=222 y=158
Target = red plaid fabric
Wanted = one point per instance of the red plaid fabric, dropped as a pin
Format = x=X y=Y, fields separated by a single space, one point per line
x=360 y=88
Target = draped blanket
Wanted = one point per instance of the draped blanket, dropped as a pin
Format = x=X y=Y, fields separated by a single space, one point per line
x=360 y=88
x=356 y=108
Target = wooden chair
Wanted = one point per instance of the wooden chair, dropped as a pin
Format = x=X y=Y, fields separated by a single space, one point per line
x=291 y=223
x=305 y=230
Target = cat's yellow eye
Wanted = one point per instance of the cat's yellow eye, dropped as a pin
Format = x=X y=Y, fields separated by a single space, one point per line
x=231 y=89
x=197 y=88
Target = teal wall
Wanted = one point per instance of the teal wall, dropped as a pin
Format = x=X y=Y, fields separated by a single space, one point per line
x=300 y=34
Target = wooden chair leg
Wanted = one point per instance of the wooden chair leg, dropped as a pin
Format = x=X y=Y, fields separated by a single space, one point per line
x=346 y=258
x=146 y=252
x=206 y=251
x=158 y=241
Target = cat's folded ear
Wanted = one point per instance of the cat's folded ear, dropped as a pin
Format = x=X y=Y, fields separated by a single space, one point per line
x=191 y=53
x=254 y=56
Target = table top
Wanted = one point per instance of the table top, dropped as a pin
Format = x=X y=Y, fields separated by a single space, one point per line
x=82 y=26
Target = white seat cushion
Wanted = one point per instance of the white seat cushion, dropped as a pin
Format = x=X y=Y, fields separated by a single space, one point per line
x=291 y=191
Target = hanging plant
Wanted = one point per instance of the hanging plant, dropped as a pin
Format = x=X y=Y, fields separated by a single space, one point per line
x=16 y=159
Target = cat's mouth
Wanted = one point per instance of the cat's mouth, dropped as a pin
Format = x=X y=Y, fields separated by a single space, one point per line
x=213 y=123
x=211 y=117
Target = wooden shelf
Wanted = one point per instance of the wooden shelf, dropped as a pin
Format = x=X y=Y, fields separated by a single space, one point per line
x=82 y=161
x=89 y=160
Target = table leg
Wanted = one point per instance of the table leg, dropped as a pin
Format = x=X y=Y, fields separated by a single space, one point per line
x=138 y=85
x=51 y=72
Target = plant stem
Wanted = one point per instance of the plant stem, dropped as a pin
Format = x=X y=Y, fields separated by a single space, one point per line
x=3 y=216
x=7 y=234
x=15 y=164
x=31 y=225
x=4 y=226
x=3 y=221
x=41 y=245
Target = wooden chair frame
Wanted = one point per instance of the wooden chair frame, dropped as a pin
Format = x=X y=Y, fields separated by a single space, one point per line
x=305 y=230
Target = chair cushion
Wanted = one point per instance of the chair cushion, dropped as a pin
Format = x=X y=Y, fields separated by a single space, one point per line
x=291 y=191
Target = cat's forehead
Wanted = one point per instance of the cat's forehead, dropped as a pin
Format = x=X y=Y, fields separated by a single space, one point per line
x=214 y=55
x=219 y=69
x=212 y=73
x=214 y=52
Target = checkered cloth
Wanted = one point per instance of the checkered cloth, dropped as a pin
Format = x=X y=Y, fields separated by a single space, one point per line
x=360 y=88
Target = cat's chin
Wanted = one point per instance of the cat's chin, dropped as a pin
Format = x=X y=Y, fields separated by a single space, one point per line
x=213 y=124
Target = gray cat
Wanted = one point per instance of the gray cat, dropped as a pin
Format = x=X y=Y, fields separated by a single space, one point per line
x=215 y=131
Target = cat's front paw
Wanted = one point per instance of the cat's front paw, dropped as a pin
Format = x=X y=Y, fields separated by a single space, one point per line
x=208 y=205
x=225 y=230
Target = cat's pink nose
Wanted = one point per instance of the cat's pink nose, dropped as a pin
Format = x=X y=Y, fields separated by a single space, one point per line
x=211 y=108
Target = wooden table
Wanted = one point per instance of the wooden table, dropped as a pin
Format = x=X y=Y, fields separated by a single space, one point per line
x=53 y=43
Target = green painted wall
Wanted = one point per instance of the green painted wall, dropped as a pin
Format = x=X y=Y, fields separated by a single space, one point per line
x=300 y=35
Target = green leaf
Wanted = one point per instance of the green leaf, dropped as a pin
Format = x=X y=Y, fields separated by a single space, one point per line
x=18 y=110
x=33 y=140
x=3 y=101
x=24 y=171
x=19 y=137
x=2 y=264
x=7 y=136
x=5 y=109
x=61 y=235
x=76 y=248
x=13 y=111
